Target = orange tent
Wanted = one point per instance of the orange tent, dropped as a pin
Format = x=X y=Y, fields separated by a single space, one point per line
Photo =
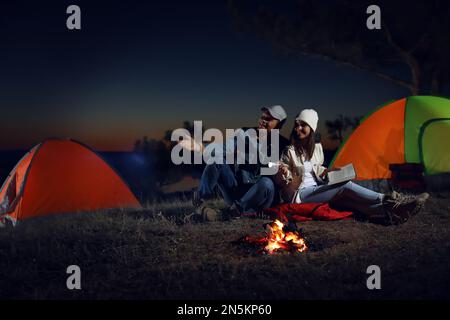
x=59 y=176
x=410 y=130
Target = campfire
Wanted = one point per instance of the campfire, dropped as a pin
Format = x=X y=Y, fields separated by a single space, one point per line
x=279 y=238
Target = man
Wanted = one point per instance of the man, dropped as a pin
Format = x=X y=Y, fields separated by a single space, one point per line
x=242 y=186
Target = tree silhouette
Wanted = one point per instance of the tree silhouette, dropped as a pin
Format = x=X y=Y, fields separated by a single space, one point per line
x=189 y=126
x=412 y=48
x=340 y=126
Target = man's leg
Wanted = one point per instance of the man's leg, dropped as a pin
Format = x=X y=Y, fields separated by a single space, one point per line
x=259 y=196
x=217 y=175
x=213 y=175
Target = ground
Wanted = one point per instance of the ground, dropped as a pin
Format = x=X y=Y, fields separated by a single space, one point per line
x=149 y=254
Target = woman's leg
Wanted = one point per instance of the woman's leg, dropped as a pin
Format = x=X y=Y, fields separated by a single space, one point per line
x=350 y=196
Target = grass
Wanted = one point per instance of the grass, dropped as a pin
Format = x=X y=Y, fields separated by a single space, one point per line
x=150 y=254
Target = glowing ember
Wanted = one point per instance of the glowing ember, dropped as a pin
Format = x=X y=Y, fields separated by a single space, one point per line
x=277 y=239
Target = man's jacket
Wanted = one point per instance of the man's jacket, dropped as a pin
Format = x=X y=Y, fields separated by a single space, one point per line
x=249 y=173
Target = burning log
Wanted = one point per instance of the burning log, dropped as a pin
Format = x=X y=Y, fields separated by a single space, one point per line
x=279 y=238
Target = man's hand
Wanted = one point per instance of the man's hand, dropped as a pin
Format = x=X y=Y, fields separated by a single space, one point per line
x=190 y=144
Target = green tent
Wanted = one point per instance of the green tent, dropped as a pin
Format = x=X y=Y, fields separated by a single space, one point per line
x=410 y=130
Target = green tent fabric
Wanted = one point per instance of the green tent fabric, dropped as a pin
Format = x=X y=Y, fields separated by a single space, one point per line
x=421 y=111
x=434 y=148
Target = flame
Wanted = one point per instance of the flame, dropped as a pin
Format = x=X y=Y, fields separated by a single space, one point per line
x=278 y=239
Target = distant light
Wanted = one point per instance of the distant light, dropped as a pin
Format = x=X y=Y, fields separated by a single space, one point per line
x=138 y=159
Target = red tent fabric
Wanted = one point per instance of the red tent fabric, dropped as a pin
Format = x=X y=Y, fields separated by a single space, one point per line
x=306 y=212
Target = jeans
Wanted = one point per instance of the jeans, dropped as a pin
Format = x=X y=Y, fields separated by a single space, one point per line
x=347 y=196
x=249 y=197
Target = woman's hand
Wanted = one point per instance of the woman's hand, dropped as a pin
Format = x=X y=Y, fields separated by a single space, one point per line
x=324 y=173
x=284 y=169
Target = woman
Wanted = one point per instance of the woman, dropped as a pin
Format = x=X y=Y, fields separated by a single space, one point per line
x=301 y=178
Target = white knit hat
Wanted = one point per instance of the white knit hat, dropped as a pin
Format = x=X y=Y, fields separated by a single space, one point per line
x=309 y=116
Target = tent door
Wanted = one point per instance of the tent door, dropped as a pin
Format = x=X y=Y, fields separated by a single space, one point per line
x=433 y=142
x=10 y=195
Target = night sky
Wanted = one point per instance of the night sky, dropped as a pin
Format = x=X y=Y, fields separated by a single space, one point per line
x=139 y=68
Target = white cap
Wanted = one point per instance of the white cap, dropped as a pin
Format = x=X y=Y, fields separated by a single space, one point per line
x=276 y=111
x=309 y=116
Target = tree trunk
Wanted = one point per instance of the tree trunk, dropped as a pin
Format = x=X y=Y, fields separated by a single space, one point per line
x=435 y=84
x=410 y=60
x=416 y=87
x=340 y=136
